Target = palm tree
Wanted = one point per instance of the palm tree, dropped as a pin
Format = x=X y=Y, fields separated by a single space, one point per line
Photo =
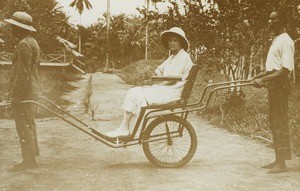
x=64 y=28
x=79 y=5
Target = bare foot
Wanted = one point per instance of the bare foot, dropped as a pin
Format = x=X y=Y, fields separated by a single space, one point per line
x=269 y=166
x=278 y=168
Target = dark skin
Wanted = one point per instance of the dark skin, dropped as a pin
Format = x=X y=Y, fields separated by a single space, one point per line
x=19 y=32
x=277 y=27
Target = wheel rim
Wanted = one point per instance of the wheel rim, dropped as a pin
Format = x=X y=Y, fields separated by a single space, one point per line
x=171 y=150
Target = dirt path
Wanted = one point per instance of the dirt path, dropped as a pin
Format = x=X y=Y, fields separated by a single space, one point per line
x=70 y=160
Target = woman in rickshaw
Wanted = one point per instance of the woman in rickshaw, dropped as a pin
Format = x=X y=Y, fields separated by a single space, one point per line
x=178 y=64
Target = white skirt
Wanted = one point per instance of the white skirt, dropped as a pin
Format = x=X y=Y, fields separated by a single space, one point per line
x=139 y=97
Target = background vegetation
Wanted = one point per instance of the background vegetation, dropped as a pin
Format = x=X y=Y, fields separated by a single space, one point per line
x=229 y=34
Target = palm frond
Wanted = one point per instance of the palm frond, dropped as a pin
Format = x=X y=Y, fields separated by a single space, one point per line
x=73 y=3
x=88 y=5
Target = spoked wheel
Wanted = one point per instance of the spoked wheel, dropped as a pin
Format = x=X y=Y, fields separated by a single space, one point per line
x=169 y=142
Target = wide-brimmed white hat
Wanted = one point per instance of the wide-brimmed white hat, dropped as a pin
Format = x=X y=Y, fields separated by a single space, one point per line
x=174 y=31
x=21 y=19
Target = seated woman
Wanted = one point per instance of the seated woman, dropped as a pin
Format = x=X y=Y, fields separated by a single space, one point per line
x=178 y=64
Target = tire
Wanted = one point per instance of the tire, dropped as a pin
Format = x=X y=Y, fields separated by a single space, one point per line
x=173 y=152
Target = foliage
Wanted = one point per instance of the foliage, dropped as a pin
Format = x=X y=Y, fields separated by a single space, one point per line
x=64 y=28
x=48 y=18
x=93 y=48
x=80 y=4
x=4 y=94
x=126 y=41
x=139 y=73
x=230 y=34
x=128 y=32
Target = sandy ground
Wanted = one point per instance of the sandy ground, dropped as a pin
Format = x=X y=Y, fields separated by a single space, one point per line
x=71 y=160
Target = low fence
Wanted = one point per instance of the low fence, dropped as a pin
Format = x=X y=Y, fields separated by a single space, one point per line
x=6 y=57
x=49 y=60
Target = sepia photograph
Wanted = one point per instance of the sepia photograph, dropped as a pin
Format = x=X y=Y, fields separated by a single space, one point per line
x=149 y=95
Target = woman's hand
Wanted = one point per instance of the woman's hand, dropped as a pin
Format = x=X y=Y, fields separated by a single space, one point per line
x=167 y=83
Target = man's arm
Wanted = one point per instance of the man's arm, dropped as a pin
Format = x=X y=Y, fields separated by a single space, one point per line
x=281 y=72
x=260 y=82
x=287 y=56
x=21 y=81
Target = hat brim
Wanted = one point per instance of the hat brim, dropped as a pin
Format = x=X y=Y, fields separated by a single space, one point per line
x=16 y=23
x=165 y=36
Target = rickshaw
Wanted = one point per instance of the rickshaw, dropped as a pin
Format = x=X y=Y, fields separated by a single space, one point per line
x=167 y=137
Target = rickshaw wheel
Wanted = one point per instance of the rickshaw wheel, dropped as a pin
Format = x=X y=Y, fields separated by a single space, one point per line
x=178 y=144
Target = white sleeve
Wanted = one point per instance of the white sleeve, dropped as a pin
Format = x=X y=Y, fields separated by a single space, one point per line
x=184 y=64
x=187 y=67
x=160 y=69
x=287 y=55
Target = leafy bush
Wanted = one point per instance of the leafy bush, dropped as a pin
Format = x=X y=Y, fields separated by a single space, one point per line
x=140 y=72
x=4 y=96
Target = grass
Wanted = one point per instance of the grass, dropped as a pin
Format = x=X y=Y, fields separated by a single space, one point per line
x=54 y=84
x=246 y=115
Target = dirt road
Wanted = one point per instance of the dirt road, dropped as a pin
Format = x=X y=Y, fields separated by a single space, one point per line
x=70 y=160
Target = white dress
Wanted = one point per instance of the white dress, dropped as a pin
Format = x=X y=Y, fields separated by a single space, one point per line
x=175 y=65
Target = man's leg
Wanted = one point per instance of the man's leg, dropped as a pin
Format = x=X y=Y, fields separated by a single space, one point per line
x=30 y=114
x=272 y=102
x=279 y=127
x=25 y=125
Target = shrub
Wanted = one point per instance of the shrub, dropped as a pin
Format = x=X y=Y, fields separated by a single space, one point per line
x=87 y=102
x=140 y=72
x=4 y=93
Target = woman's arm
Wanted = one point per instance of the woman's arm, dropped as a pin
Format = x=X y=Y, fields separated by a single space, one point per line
x=168 y=80
x=158 y=72
x=160 y=69
x=167 y=83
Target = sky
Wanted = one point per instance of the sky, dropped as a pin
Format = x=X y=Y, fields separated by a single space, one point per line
x=99 y=7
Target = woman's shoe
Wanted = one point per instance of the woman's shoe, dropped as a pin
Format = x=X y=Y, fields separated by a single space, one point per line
x=119 y=132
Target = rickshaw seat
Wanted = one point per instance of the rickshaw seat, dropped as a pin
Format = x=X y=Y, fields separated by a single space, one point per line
x=186 y=92
x=171 y=105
